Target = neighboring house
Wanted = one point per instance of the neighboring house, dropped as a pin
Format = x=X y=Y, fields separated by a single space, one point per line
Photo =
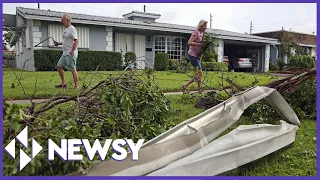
x=136 y=31
x=306 y=41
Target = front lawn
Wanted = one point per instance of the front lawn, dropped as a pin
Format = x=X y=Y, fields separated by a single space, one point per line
x=168 y=80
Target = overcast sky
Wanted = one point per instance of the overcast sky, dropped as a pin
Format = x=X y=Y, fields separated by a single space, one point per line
x=233 y=17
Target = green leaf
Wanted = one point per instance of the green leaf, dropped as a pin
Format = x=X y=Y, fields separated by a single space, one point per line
x=68 y=128
x=17 y=126
x=15 y=169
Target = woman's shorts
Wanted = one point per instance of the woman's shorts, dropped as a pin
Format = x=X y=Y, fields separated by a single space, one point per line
x=195 y=62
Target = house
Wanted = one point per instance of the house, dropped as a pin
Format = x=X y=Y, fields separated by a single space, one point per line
x=136 y=31
x=306 y=41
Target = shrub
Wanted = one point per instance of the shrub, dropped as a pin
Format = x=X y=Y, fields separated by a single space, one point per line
x=280 y=64
x=302 y=61
x=129 y=58
x=46 y=60
x=161 y=61
x=272 y=66
x=214 y=66
x=173 y=64
x=184 y=65
x=302 y=101
x=209 y=56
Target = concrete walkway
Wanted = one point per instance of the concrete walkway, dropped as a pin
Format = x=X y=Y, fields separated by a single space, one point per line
x=21 y=102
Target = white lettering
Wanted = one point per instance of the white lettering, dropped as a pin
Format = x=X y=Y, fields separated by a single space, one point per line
x=117 y=146
x=102 y=152
x=135 y=148
x=62 y=152
x=72 y=149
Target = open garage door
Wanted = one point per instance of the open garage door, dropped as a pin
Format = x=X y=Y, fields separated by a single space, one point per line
x=244 y=56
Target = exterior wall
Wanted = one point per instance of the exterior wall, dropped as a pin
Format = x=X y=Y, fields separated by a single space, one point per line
x=24 y=56
x=149 y=41
x=149 y=52
x=100 y=37
x=143 y=19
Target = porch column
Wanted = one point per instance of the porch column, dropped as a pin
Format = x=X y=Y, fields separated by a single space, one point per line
x=219 y=50
x=267 y=57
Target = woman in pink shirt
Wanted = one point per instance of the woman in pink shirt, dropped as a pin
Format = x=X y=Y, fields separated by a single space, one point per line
x=195 y=43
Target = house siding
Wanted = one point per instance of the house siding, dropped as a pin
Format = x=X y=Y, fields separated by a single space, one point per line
x=97 y=38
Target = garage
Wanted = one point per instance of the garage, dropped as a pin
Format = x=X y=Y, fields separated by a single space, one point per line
x=245 y=56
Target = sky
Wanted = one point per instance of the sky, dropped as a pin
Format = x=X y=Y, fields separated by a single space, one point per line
x=236 y=17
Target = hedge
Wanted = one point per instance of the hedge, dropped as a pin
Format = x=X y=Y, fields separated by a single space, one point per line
x=46 y=60
x=302 y=61
x=173 y=64
x=214 y=66
x=161 y=61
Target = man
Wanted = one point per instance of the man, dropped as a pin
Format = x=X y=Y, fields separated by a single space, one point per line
x=70 y=51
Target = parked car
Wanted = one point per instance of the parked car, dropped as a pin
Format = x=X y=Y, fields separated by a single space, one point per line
x=240 y=63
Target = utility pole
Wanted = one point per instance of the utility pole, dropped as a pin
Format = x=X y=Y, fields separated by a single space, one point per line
x=250 y=27
x=144 y=8
x=210 y=21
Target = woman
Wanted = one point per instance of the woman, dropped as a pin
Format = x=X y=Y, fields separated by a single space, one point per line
x=195 y=43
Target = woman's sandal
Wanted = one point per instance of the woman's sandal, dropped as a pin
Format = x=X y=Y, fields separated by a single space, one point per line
x=61 y=86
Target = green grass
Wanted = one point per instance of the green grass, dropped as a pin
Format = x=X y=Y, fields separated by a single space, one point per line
x=168 y=80
x=298 y=159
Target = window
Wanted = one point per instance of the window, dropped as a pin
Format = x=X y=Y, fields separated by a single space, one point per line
x=56 y=32
x=175 y=47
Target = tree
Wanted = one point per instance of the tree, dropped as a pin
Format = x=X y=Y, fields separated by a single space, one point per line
x=286 y=43
x=7 y=38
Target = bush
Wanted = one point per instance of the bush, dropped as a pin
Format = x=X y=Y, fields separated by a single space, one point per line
x=173 y=64
x=209 y=56
x=184 y=65
x=161 y=61
x=280 y=64
x=214 y=66
x=46 y=60
x=129 y=58
x=302 y=101
x=272 y=66
x=302 y=61
x=8 y=56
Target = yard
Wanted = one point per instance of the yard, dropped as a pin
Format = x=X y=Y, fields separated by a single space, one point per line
x=41 y=84
x=299 y=159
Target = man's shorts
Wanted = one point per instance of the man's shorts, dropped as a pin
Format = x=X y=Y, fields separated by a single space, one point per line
x=68 y=62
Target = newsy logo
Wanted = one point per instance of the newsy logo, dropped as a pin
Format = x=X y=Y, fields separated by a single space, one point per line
x=23 y=139
x=68 y=147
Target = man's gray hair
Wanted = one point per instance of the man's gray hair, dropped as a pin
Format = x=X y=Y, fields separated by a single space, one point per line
x=67 y=16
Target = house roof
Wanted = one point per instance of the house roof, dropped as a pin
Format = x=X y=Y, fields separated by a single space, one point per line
x=32 y=13
x=286 y=31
